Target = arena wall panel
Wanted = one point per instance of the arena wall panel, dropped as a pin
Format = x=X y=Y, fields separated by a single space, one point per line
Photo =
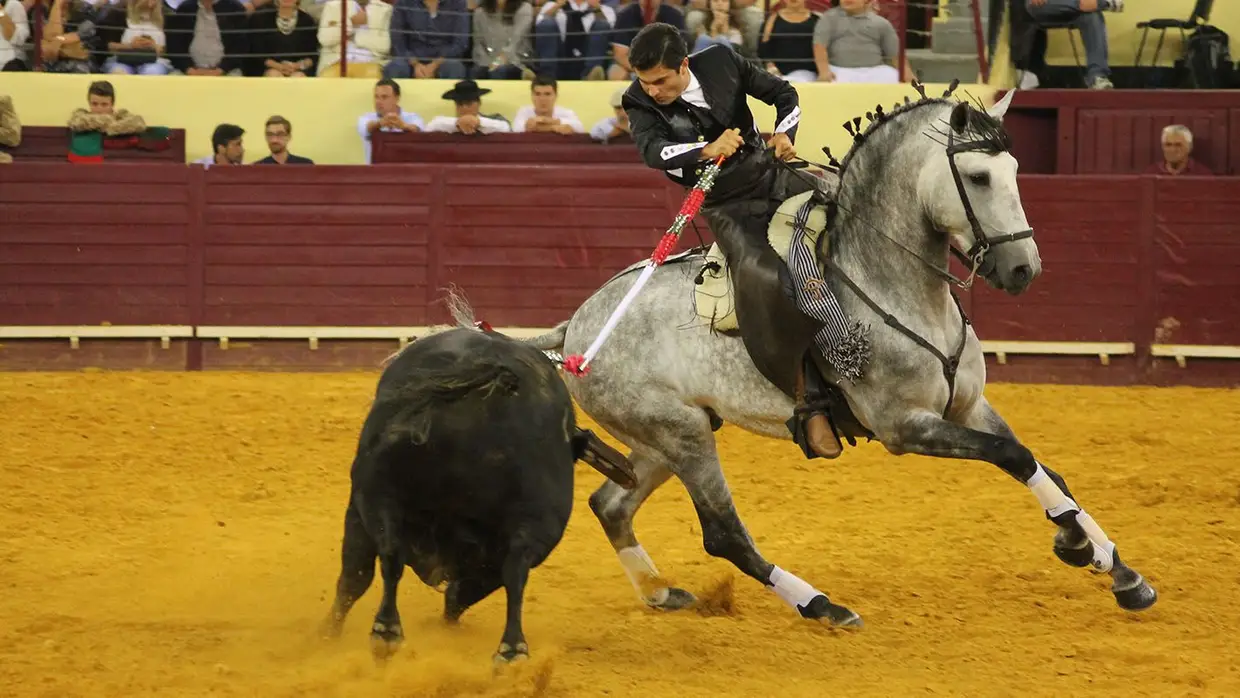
x=1126 y=259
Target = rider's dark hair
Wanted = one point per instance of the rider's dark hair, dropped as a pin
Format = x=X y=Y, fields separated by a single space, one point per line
x=657 y=44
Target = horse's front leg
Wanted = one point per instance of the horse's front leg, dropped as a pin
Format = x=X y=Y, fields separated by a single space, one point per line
x=984 y=435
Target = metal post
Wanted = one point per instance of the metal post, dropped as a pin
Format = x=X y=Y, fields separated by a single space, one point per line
x=37 y=34
x=344 y=38
x=982 y=63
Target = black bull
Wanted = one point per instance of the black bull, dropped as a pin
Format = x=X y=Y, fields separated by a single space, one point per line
x=464 y=473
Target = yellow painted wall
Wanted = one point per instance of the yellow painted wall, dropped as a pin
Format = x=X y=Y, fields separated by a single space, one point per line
x=324 y=111
x=1123 y=37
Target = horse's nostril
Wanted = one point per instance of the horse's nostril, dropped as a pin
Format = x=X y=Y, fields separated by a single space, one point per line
x=1022 y=273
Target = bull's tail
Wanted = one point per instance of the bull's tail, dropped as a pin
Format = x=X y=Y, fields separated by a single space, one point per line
x=463 y=316
x=429 y=390
x=550 y=341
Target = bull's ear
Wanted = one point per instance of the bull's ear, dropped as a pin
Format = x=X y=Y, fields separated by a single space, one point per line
x=960 y=118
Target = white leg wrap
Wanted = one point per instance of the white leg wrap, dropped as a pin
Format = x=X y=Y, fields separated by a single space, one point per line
x=1104 y=549
x=795 y=591
x=1055 y=502
x=1052 y=499
x=641 y=572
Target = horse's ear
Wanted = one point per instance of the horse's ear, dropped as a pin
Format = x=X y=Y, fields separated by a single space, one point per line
x=960 y=117
x=1000 y=108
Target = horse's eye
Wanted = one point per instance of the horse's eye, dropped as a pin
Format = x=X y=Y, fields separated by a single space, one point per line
x=981 y=179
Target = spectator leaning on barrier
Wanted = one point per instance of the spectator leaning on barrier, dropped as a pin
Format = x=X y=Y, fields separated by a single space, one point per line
x=283 y=42
x=369 y=37
x=571 y=38
x=207 y=37
x=430 y=39
x=502 y=40
x=226 y=146
x=10 y=128
x=279 y=132
x=853 y=43
x=469 y=118
x=102 y=114
x=14 y=31
x=630 y=20
x=613 y=127
x=1177 y=149
x=787 y=47
x=387 y=116
x=544 y=116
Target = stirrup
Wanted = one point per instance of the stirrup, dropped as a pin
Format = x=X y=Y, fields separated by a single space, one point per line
x=807 y=430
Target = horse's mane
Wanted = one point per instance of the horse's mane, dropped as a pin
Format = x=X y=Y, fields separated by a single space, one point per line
x=984 y=131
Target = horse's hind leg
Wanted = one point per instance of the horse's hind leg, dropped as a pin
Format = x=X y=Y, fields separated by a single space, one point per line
x=986 y=436
x=615 y=508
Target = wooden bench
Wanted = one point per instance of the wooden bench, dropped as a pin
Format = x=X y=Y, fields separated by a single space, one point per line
x=500 y=148
x=1183 y=352
x=51 y=144
x=1103 y=350
x=312 y=335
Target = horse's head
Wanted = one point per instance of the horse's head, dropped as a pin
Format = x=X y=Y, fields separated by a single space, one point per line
x=970 y=192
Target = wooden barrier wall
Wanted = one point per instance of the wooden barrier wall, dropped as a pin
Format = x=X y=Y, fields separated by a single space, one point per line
x=1127 y=259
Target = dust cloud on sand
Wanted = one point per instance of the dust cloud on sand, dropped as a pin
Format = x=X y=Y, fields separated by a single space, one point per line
x=169 y=534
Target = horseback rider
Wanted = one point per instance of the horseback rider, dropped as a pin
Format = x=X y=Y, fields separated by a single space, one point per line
x=687 y=110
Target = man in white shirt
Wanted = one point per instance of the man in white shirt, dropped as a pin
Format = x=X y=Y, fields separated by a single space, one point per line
x=14 y=30
x=469 y=119
x=543 y=116
x=387 y=116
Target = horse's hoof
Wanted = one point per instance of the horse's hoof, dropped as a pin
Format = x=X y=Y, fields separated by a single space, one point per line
x=508 y=654
x=1136 y=596
x=821 y=608
x=1078 y=552
x=385 y=640
x=676 y=600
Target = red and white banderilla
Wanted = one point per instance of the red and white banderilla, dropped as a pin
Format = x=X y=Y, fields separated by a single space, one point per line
x=578 y=364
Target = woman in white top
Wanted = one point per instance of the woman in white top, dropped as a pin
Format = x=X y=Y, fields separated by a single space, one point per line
x=141 y=48
x=369 y=38
x=14 y=31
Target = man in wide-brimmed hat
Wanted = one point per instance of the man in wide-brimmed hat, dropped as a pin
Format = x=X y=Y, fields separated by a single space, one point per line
x=469 y=120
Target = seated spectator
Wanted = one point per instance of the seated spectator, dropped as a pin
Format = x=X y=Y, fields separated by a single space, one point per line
x=370 y=40
x=615 y=127
x=279 y=131
x=429 y=39
x=1086 y=16
x=571 y=38
x=387 y=116
x=544 y=116
x=226 y=146
x=630 y=20
x=469 y=118
x=502 y=40
x=718 y=26
x=102 y=114
x=10 y=128
x=1177 y=148
x=787 y=47
x=283 y=42
x=69 y=37
x=746 y=15
x=14 y=30
x=207 y=37
x=140 y=48
x=853 y=43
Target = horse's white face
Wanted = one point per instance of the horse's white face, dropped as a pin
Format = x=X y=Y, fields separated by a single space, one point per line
x=989 y=181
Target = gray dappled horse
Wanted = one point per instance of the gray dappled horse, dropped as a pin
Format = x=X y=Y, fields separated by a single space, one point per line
x=923 y=178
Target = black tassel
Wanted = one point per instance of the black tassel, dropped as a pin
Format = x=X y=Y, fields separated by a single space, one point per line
x=857 y=123
x=878 y=111
x=906 y=100
x=921 y=89
x=830 y=158
x=848 y=127
x=869 y=116
x=952 y=87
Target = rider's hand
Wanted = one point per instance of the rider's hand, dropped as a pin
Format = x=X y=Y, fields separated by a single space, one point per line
x=783 y=147
x=725 y=145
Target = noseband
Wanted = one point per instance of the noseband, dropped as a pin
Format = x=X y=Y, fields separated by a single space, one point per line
x=982 y=243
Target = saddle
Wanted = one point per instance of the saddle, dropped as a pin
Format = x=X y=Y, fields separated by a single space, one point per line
x=715 y=305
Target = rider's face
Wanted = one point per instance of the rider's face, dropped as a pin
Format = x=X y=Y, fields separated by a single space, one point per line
x=663 y=84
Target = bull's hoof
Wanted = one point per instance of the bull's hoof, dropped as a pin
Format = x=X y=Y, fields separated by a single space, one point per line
x=821 y=608
x=385 y=640
x=676 y=599
x=1135 y=595
x=507 y=654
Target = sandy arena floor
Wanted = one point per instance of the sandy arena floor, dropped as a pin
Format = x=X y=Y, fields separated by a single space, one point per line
x=178 y=534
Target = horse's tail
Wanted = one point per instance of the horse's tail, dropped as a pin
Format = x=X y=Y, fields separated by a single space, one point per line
x=427 y=391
